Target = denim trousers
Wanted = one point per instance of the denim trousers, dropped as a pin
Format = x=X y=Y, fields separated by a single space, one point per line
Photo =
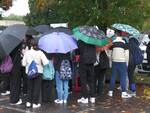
x=121 y=69
x=61 y=87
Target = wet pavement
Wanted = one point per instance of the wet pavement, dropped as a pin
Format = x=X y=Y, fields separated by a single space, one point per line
x=104 y=104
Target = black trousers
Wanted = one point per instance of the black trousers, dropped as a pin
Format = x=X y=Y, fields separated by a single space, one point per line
x=34 y=89
x=99 y=80
x=15 y=85
x=4 y=82
x=48 y=91
x=87 y=77
x=23 y=80
x=131 y=69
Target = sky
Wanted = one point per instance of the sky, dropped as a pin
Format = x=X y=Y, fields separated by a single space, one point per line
x=19 y=7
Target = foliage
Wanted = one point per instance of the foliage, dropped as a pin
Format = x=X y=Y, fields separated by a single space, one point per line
x=13 y=17
x=91 y=12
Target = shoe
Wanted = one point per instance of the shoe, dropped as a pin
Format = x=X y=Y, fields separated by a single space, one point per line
x=19 y=102
x=132 y=93
x=36 y=105
x=83 y=100
x=110 y=93
x=58 y=101
x=28 y=104
x=65 y=101
x=92 y=99
x=125 y=95
x=6 y=93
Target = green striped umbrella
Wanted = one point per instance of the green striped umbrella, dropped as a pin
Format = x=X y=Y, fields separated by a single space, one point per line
x=90 y=35
x=126 y=28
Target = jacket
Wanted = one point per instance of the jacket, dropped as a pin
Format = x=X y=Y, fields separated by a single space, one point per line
x=120 y=51
x=87 y=53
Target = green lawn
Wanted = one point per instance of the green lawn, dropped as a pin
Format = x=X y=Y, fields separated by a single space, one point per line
x=142 y=78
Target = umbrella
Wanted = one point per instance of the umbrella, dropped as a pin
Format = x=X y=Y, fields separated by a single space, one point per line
x=90 y=35
x=57 y=42
x=126 y=28
x=11 y=37
x=42 y=28
x=31 y=31
x=60 y=29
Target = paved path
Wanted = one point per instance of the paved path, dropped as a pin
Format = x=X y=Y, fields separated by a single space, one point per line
x=104 y=104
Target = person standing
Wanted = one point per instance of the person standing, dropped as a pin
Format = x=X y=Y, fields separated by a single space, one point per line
x=120 y=56
x=15 y=77
x=133 y=43
x=62 y=84
x=100 y=67
x=86 y=72
x=34 y=84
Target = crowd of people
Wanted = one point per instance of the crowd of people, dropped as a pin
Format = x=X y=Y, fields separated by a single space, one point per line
x=93 y=63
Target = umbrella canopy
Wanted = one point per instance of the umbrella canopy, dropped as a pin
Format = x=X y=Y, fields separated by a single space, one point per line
x=57 y=42
x=17 y=30
x=42 y=28
x=90 y=35
x=11 y=37
x=60 y=29
x=31 y=31
x=126 y=28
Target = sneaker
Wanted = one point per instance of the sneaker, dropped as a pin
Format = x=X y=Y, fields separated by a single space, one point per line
x=110 y=93
x=92 y=99
x=83 y=100
x=125 y=95
x=132 y=93
x=28 y=104
x=19 y=102
x=58 y=101
x=65 y=101
x=36 y=105
x=6 y=93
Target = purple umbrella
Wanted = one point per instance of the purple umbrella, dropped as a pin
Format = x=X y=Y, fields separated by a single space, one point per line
x=57 y=42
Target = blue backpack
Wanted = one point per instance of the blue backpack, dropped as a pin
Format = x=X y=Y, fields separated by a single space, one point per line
x=136 y=51
x=48 y=71
x=65 y=70
x=32 y=70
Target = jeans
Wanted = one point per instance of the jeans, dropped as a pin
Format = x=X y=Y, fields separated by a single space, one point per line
x=61 y=87
x=121 y=69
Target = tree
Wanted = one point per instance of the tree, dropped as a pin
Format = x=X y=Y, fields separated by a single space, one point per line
x=89 y=12
x=5 y=4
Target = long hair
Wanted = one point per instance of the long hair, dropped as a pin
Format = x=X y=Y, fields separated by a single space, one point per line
x=33 y=44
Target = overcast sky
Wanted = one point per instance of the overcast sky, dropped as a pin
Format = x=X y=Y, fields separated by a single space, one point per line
x=19 y=7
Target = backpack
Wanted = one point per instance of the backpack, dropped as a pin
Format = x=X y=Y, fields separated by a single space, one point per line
x=136 y=52
x=32 y=70
x=65 y=70
x=6 y=65
x=48 y=71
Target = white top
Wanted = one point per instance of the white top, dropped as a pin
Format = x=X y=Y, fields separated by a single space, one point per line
x=38 y=56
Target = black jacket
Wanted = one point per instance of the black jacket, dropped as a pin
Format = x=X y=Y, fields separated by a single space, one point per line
x=87 y=53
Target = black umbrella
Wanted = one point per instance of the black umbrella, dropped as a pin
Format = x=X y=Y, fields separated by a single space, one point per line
x=60 y=29
x=42 y=28
x=31 y=31
x=17 y=30
x=11 y=37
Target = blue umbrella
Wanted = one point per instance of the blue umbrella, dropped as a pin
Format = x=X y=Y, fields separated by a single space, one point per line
x=126 y=28
x=57 y=42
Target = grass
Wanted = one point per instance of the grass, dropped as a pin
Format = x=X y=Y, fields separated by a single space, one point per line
x=142 y=78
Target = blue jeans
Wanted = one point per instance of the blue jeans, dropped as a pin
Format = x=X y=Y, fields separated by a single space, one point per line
x=121 y=69
x=61 y=87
